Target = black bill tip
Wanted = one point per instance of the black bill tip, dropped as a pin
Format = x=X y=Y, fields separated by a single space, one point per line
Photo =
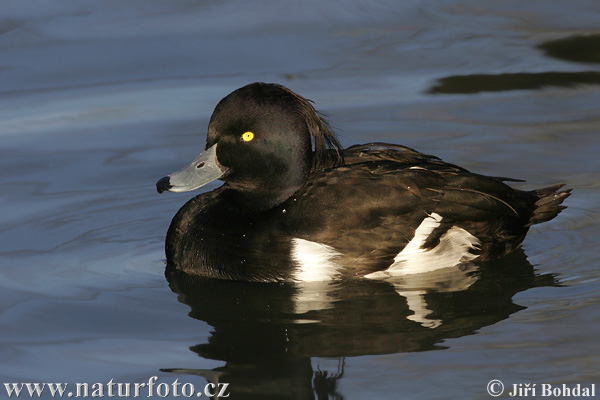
x=163 y=184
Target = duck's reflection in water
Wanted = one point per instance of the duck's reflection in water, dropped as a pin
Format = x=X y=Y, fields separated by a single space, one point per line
x=267 y=333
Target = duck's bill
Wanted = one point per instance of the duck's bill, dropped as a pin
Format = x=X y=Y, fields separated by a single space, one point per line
x=204 y=169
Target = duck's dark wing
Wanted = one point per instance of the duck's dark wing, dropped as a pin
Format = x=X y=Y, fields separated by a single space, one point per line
x=400 y=155
x=385 y=196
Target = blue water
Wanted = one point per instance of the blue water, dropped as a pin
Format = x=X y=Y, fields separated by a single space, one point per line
x=99 y=99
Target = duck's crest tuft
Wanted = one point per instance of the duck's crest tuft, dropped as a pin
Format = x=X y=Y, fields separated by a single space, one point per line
x=328 y=150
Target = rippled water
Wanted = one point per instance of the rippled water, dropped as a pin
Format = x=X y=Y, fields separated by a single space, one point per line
x=100 y=99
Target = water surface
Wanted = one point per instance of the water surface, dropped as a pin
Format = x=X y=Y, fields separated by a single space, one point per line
x=100 y=99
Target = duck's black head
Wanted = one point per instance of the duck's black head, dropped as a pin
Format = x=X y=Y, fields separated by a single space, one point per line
x=260 y=143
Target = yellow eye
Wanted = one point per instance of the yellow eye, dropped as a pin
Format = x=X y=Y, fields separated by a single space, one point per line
x=247 y=136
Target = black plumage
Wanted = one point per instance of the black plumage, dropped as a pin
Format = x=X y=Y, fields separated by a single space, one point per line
x=292 y=180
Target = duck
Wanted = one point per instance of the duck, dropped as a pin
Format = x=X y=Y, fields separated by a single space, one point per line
x=295 y=206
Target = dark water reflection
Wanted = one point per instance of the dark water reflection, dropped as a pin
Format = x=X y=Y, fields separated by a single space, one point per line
x=268 y=333
x=476 y=83
x=577 y=48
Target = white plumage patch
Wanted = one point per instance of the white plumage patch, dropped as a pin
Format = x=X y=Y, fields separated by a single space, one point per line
x=314 y=261
x=454 y=247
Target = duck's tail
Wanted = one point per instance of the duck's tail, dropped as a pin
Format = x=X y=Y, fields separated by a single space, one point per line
x=548 y=203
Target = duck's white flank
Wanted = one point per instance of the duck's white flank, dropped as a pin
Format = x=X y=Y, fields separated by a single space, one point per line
x=315 y=261
x=454 y=247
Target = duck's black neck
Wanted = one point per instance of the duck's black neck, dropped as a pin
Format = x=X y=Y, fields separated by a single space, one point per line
x=258 y=201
